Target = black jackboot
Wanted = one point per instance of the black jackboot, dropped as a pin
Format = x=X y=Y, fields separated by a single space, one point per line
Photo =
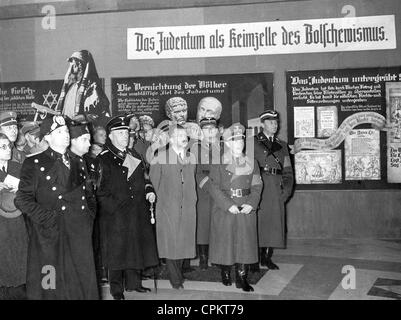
x=226 y=275
x=269 y=262
x=203 y=250
x=241 y=275
x=186 y=266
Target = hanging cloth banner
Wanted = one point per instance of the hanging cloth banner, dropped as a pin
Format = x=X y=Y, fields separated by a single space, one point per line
x=375 y=119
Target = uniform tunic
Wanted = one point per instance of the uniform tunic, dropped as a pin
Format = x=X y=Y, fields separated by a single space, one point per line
x=233 y=237
x=174 y=182
x=127 y=237
x=276 y=191
x=13 y=236
x=53 y=200
x=207 y=154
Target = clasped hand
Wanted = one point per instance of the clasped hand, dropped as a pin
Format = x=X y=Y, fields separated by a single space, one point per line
x=245 y=208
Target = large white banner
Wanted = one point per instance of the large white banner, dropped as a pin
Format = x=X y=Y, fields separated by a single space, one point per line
x=260 y=38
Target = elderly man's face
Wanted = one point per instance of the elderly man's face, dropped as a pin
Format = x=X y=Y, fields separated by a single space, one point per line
x=10 y=131
x=179 y=113
x=5 y=150
x=179 y=138
x=208 y=109
x=76 y=66
x=119 y=138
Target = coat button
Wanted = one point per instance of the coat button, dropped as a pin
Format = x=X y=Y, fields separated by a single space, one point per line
x=60 y=196
x=48 y=178
x=83 y=187
x=36 y=161
x=80 y=160
x=83 y=197
x=63 y=208
x=83 y=207
x=54 y=188
x=42 y=169
x=132 y=197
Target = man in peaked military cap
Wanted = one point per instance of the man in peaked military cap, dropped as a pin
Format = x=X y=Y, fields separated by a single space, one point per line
x=53 y=199
x=9 y=126
x=235 y=186
x=273 y=158
x=128 y=240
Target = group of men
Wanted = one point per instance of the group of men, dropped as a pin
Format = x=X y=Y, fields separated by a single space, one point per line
x=85 y=210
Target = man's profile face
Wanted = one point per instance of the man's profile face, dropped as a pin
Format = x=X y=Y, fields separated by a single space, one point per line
x=59 y=138
x=100 y=136
x=10 y=131
x=5 y=149
x=76 y=65
x=179 y=113
x=208 y=108
x=81 y=144
x=119 y=138
x=270 y=127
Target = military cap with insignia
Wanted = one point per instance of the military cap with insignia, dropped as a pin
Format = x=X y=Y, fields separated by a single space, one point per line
x=78 y=129
x=207 y=122
x=235 y=132
x=8 y=118
x=269 y=115
x=117 y=123
x=30 y=127
x=50 y=124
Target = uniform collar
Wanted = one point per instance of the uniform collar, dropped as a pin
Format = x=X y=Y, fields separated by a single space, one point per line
x=117 y=152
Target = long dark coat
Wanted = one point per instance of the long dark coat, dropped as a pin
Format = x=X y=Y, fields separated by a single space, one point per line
x=206 y=155
x=276 y=191
x=13 y=237
x=127 y=237
x=174 y=182
x=53 y=200
x=233 y=237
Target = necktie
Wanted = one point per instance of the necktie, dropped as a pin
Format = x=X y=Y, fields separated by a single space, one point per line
x=65 y=160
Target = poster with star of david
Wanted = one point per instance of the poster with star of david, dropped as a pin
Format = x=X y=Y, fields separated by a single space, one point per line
x=18 y=97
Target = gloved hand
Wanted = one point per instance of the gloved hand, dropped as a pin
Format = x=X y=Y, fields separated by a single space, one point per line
x=246 y=208
x=151 y=197
x=234 y=209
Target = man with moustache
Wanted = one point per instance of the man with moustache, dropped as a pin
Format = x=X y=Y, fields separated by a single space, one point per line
x=126 y=233
x=273 y=158
x=208 y=107
x=52 y=197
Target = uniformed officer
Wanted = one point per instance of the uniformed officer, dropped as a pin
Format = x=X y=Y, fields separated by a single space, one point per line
x=126 y=233
x=208 y=153
x=235 y=186
x=9 y=126
x=277 y=174
x=52 y=197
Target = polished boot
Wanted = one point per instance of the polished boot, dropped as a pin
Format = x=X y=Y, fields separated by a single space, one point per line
x=241 y=277
x=269 y=262
x=203 y=250
x=226 y=275
x=263 y=256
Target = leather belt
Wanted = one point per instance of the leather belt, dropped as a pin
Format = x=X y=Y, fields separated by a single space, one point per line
x=272 y=171
x=239 y=193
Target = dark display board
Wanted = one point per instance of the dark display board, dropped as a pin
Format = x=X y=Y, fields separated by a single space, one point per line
x=148 y=95
x=337 y=123
x=18 y=96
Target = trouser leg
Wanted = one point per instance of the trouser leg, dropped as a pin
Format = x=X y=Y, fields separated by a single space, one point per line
x=132 y=279
x=116 y=281
x=174 y=268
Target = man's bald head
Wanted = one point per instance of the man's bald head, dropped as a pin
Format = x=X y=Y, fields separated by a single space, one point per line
x=209 y=107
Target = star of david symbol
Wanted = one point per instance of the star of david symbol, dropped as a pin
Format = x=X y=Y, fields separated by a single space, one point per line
x=53 y=99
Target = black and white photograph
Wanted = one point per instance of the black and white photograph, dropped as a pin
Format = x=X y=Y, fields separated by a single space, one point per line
x=194 y=157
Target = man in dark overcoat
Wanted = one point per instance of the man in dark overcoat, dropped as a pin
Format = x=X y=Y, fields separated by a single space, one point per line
x=128 y=241
x=59 y=221
x=277 y=174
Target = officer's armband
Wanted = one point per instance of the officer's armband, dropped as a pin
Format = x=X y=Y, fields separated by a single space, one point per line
x=203 y=181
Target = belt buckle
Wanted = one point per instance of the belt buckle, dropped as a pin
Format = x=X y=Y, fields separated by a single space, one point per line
x=236 y=193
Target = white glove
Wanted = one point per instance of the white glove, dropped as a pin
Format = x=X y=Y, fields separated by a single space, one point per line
x=246 y=208
x=234 y=209
x=151 y=197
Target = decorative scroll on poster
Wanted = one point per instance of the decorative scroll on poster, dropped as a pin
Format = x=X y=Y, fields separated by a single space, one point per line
x=236 y=92
x=18 y=96
x=352 y=116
